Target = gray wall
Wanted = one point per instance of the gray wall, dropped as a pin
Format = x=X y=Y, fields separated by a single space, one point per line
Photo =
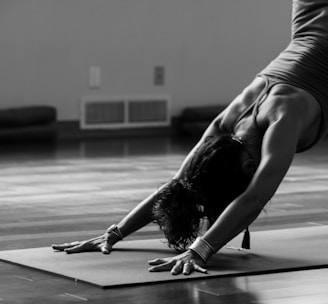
x=211 y=49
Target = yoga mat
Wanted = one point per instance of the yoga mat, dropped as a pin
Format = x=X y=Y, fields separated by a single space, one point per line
x=272 y=251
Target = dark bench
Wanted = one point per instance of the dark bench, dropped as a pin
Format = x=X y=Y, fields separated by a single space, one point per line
x=28 y=123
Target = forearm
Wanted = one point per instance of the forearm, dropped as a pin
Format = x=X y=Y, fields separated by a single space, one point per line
x=138 y=217
x=237 y=216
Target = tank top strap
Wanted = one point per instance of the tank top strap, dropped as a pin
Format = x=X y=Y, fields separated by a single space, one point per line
x=270 y=82
x=253 y=107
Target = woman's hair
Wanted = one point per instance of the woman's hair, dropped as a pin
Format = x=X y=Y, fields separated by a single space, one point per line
x=210 y=181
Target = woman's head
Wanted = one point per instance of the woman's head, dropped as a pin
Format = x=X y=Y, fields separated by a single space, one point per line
x=211 y=180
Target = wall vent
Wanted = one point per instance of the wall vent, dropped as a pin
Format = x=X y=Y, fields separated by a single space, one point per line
x=114 y=112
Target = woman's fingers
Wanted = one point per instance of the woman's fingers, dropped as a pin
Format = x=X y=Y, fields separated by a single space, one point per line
x=191 y=266
x=105 y=249
x=74 y=249
x=187 y=268
x=177 y=268
x=163 y=267
x=77 y=247
x=98 y=243
x=62 y=247
x=83 y=247
x=157 y=261
x=199 y=269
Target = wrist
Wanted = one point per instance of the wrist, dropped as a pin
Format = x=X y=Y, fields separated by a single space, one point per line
x=203 y=249
x=114 y=234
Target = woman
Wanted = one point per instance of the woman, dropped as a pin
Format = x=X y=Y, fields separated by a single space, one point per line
x=238 y=164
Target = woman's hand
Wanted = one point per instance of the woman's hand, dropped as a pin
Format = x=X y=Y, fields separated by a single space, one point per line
x=100 y=243
x=184 y=263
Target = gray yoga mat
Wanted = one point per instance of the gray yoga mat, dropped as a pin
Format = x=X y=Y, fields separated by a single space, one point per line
x=272 y=251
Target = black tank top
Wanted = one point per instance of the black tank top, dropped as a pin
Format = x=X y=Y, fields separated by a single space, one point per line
x=304 y=63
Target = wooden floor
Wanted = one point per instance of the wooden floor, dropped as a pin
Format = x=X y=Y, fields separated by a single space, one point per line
x=69 y=191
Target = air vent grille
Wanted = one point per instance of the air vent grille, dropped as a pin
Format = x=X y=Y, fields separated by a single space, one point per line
x=148 y=110
x=107 y=112
x=104 y=112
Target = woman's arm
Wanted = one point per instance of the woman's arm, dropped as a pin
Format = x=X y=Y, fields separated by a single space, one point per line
x=138 y=217
x=278 y=148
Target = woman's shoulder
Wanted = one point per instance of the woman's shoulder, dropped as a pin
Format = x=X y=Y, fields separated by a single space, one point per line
x=286 y=102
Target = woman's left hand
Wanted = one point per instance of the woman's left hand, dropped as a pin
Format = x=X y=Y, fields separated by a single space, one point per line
x=184 y=263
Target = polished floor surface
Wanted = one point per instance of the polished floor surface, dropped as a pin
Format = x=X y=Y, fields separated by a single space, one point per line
x=67 y=191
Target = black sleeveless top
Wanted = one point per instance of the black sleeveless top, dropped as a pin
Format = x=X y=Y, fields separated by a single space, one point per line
x=304 y=63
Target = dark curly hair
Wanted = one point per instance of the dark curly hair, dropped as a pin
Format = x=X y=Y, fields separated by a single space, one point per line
x=210 y=181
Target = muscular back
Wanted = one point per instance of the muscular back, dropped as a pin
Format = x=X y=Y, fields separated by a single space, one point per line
x=281 y=101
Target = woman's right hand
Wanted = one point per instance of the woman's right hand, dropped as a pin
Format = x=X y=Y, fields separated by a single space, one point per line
x=100 y=243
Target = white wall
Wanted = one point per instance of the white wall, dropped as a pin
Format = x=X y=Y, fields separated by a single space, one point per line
x=210 y=48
